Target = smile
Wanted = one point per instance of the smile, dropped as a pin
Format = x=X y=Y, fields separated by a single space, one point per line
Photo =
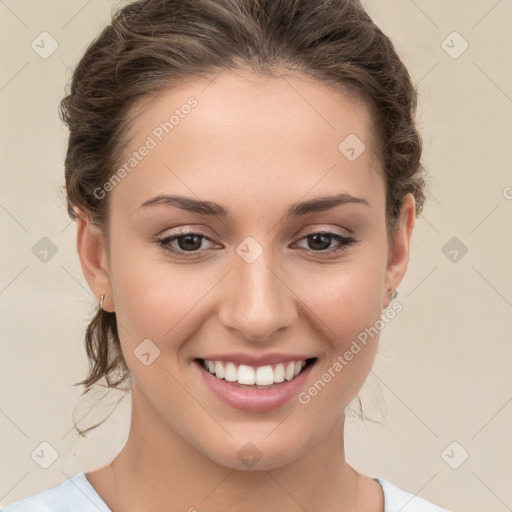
x=258 y=377
x=254 y=384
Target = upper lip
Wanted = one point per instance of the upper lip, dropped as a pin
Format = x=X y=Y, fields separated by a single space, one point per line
x=255 y=361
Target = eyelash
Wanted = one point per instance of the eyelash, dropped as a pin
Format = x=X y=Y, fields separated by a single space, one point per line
x=344 y=240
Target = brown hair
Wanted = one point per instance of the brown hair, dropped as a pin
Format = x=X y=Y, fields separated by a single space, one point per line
x=152 y=45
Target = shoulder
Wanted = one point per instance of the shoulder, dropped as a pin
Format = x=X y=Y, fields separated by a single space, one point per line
x=396 y=499
x=73 y=494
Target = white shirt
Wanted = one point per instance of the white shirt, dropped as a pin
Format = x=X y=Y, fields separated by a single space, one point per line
x=78 y=495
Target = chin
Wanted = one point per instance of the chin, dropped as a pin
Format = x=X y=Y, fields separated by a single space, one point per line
x=256 y=455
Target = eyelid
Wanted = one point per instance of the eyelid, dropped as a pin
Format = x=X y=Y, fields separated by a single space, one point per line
x=327 y=231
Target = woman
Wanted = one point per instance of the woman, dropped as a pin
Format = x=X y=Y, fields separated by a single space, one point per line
x=245 y=177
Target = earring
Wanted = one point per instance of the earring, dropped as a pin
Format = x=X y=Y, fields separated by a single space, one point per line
x=101 y=301
x=392 y=295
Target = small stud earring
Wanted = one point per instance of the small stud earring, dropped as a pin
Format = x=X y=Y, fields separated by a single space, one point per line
x=101 y=301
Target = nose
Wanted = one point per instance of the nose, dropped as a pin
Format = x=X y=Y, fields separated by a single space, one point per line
x=256 y=300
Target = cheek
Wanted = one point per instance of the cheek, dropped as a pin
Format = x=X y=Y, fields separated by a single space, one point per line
x=154 y=297
x=346 y=298
x=346 y=306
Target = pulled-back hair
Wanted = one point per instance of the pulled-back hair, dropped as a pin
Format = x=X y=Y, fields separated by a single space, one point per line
x=153 y=45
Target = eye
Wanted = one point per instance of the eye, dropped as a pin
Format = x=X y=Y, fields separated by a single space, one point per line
x=187 y=242
x=321 y=241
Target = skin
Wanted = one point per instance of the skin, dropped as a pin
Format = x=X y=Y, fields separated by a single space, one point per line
x=255 y=145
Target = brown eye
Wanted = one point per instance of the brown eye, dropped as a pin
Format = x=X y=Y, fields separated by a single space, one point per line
x=185 y=242
x=320 y=242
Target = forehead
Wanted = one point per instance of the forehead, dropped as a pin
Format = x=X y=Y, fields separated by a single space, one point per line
x=261 y=136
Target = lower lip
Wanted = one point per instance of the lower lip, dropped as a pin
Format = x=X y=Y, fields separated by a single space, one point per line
x=251 y=398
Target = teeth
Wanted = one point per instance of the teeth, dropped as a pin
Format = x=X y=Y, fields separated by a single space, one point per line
x=219 y=369
x=246 y=375
x=231 y=373
x=264 y=376
x=279 y=373
x=260 y=376
x=289 y=373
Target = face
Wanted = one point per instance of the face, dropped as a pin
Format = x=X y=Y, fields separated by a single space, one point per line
x=266 y=275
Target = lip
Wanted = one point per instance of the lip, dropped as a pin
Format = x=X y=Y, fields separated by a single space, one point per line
x=249 y=398
x=255 y=361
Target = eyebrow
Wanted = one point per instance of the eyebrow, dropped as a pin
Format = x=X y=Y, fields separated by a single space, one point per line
x=320 y=204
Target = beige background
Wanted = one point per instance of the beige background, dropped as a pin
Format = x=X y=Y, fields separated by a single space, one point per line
x=442 y=374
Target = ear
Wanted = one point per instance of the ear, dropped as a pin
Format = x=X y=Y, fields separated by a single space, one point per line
x=90 y=244
x=399 y=247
